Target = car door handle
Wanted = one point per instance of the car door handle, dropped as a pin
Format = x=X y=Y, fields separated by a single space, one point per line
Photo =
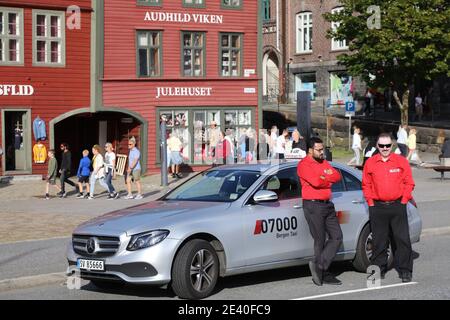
x=358 y=201
x=297 y=206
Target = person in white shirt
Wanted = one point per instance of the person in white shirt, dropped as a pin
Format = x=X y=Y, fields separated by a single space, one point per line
x=280 y=147
x=356 y=146
x=402 y=140
x=273 y=141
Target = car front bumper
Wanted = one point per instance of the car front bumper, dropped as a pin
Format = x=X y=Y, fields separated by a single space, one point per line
x=146 y=266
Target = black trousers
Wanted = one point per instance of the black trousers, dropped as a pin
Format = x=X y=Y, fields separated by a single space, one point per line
x=322 y=220
x=403 y=148
x=386 y=219
x=65 y=178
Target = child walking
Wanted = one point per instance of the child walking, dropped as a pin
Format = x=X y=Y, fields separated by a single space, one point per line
x=51 y=173
x=84 y=171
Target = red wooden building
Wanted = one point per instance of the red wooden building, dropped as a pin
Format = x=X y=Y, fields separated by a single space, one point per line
x=131 y=63
x=44 y=74
x=190 y=62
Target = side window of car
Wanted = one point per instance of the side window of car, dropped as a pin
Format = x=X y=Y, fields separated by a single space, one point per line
x=351 y=182
x=338 y=186
x=285 y=184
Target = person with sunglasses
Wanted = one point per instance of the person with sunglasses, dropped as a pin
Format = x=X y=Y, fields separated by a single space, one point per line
x=316 y=177
x=387 y=186
x=134 y=170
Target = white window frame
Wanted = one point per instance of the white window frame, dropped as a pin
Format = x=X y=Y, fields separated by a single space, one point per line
x=337 y=45
x=304 y=25
x=48 y=39
x=4 y=59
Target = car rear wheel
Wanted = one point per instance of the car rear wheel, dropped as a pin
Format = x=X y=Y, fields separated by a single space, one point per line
x=195 y=270
x=364 y=251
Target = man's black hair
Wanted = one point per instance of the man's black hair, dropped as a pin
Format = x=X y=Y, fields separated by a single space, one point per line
x=313 y=141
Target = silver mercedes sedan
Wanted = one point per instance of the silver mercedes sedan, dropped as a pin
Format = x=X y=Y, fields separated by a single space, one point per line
x=225 y=221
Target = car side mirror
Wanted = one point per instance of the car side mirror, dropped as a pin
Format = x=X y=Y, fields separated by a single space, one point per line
x=265 y=196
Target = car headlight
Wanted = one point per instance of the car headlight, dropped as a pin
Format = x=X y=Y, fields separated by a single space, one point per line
x=147 y=239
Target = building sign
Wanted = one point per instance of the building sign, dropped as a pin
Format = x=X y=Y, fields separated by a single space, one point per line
x=183 y=17
x=16 y=90
x=183 y=91
x=249 y=72
x=249 y=90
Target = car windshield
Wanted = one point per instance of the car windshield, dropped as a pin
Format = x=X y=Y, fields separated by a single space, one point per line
x=215 y=186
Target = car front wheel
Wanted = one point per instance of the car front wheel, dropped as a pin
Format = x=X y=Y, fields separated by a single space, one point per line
x=364 y=251
x=195 y=270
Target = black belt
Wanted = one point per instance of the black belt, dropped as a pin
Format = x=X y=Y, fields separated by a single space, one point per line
x=316 y=200
x=388 y=202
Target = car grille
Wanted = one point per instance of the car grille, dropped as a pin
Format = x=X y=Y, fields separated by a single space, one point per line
x=106 y=246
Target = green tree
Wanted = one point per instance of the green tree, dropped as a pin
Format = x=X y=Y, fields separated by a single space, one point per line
x=394 y=42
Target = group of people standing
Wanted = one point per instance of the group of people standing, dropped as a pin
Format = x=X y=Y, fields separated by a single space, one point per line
x=406 y=143
x=387 y=187
x=100 y=168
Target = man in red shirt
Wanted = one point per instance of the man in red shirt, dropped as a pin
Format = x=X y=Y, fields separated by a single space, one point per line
x=387 y=185
x=316 y=177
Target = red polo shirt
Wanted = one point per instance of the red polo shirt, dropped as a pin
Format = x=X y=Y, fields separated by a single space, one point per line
x=387 y=181
x=314 y=187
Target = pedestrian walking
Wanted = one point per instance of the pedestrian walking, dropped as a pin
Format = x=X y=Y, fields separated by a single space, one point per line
x=52 y=170
x=413 y=155
x=98 y=171
x=230 y=147
x=316 y=177
x=66 y=164
x=174 y=145
x=402 y=139
x=273 y=141
x=356 y=146
x=298 y=142
x=83 y=174
x=134 y=170
x=110 y=170
x=387 y=186
x=262 y=147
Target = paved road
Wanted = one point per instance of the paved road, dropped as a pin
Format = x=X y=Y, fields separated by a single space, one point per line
x=430 y=276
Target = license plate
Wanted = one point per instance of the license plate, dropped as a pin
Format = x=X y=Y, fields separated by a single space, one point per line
x=91 y=265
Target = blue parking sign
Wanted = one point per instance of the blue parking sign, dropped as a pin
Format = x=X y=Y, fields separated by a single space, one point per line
x=350 y=106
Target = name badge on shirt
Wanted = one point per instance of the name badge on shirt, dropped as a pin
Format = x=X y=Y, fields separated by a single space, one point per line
x=394 y=170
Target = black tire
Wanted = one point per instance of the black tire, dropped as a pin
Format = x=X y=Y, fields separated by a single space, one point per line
x=362 y=257
x=202 y=257
x=108 y=285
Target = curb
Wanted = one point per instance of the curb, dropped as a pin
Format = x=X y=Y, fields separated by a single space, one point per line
x=435 y=231
x=32 y=281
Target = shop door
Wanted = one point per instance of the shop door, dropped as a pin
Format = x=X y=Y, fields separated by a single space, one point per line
x=16 y=133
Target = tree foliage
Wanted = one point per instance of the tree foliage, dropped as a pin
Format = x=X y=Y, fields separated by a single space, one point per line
x=412 y=43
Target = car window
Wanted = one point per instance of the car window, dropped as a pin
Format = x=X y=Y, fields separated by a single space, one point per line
x=338 y=186
x=351 y=182
x=285 y=184
x=215 y=186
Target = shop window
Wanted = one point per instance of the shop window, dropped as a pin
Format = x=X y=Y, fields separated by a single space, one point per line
x=11 y=36
x=177 y=123
x=199 y=130
x=194 y=3
x=149 y=2
x=48 y=38
x=304 y=32
x=193 y=50
x=341 y=88
x=233 y=4
x=231 y=54
x=306 y=82
x=149 y=53
x=337 y=44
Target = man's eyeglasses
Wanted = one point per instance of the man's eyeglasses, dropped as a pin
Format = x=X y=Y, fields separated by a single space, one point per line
x=319 y=150
x=130 y=144
x=381 y=146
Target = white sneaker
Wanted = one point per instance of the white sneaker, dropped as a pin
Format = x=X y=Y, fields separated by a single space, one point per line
x=139 y=197
x=90 y=197
x=129 y=197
